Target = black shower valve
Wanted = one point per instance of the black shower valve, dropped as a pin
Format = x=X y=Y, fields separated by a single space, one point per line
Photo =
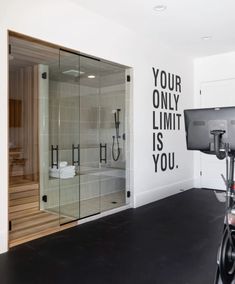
x=117 y=137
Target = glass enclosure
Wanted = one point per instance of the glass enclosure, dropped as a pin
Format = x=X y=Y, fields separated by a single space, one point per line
x=87 y=132
x=73 y=142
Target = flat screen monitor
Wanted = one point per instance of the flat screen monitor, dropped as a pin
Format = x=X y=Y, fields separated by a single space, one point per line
x=200 y=122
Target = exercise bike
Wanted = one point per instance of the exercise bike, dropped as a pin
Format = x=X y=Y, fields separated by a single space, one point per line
x=215 y=126
x=226 y=254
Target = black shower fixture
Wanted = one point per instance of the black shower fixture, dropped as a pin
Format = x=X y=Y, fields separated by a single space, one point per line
x=116 y=113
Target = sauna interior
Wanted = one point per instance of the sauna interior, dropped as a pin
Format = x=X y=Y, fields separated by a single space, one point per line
x=68 y=137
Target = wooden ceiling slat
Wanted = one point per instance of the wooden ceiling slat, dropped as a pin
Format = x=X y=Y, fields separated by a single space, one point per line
x=29 y=52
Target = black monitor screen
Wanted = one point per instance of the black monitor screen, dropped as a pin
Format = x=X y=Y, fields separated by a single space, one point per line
x=200 y=122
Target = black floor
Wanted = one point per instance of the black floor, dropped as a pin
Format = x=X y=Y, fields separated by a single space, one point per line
x=172 y=241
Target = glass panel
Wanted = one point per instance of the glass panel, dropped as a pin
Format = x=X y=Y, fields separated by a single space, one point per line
x=48 y=116
x=67 y=89
x=113 y=134
x=29 y=139
x=89 y=137
x=23 y=148
x=128 y=115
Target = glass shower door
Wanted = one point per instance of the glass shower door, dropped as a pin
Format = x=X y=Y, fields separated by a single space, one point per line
x=69 y=129
x=113 y=134
x=90 y=148
x=90 y=160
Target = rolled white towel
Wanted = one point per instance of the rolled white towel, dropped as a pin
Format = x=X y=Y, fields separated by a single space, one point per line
x=62 y=176
x=67 y=173
x=67 y=169
x=65 y=176
x=63 y=164
x=54 y=170
x=62 y=172
x=55 y=175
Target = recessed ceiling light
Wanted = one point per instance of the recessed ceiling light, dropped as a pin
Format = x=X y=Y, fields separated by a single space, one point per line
x=91 y=76
x=159 y=8
x=206 y=38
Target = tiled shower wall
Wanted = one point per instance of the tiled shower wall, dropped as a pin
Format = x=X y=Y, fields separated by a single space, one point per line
x=92 y=112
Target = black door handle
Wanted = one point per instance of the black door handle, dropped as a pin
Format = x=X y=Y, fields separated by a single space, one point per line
x=78 y=154
x=103 y=159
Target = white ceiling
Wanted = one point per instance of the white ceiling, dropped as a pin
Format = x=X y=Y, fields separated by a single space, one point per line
x=180 y=26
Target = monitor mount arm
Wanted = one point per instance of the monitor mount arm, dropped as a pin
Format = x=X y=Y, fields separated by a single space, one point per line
x=217 y=144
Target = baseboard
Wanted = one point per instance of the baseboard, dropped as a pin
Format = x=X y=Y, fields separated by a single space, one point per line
x=158 y=193
x=3 y=242
x=197 y=182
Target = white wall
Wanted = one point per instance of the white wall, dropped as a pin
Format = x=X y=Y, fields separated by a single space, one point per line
x=208 y=69
x=64 y=23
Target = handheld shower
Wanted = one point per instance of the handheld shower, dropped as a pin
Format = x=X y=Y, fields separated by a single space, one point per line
x=117 y=124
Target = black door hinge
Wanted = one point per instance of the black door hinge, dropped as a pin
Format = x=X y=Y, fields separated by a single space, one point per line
x=200 y=92
x=128 y=193
x=44 y=198
x=10 y=226
x=128 y=78
x=9 y=48
x=44 y=75
x=200 y=173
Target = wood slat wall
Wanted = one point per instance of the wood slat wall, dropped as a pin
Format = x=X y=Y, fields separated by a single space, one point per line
x=19 y=198
x=23 y=119
x=15 y=113
x=17 y=240
x=28 y=222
